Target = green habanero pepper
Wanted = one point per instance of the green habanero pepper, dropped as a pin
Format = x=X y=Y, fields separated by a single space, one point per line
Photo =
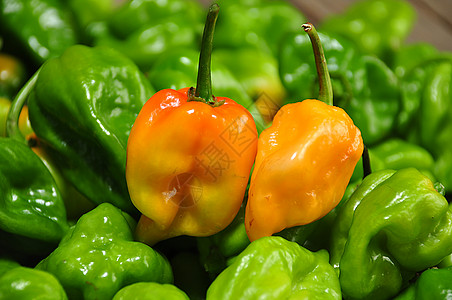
x=432 y=284
x=82 y=108
x=377 y=27
x=98 y=256
x=394 y=224
x=144 y=29
x=28 y=283
x=274 y=268
x=256 y=23
x=38 y=29
x=150 y=291
x=32 y=212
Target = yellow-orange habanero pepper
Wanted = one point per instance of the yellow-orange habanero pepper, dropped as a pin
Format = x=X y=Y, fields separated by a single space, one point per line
x=189 y=157
x=304 y=160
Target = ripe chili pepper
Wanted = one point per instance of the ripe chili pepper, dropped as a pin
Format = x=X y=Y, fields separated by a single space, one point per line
x=189 y=156
x=305 y=160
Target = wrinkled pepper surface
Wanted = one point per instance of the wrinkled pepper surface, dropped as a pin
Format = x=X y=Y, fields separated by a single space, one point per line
x=144 y=29
x=364 y=86
x=82 y=108
x=177 y=175
x=275 y=268
x=432 y=284
x=32 y=210
x=394 y=224
x=377 y=27
x=27 y=283
x=150 y=291
x=98 y=256
x=310 y=142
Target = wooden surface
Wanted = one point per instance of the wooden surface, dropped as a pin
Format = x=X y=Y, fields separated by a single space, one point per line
x=433 y=25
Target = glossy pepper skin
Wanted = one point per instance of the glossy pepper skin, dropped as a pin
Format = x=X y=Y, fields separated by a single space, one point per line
x=178 y=68
x=150 y=291
x=36 y=37
x=85 y=117
x=32 y=210
x=304 y=162
x=432 y=284
x=98 y=256
x=178 y=180
x=364 y=86
x=394 y=224
x=28 y=283
x=274 y=268
x=376 y=27
x=256 y=24
x=144 y=29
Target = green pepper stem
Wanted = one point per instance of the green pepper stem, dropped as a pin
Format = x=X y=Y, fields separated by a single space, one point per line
x=12 y=120
x=204 y=81
x=325 y=87
x=367 y=169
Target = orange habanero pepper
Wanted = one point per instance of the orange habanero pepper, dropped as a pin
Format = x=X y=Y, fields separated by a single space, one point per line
x=189 y=157
x=304 y=160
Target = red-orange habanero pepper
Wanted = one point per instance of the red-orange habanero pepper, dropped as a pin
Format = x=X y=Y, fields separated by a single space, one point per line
x=189 y=156
x=304 y=160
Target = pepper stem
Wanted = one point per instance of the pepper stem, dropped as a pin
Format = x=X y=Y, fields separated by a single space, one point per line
x=12 y=120
x=367 y=169
x=325 y=87
x=203 y=91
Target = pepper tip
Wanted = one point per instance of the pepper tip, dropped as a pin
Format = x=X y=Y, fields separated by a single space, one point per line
x=307 y=27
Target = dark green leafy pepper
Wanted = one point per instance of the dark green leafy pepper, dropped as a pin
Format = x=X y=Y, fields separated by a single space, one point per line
x=274 y=268
x=31 y=207
x=394 y=224
x=98 y=256
x=433 y=284
x=143 y=29
x=27 y=283
x=82 y=107
x=364 y=86
x=150 y=291
x=37 y=29
x=178 y=68
x=256 y=23
x=410 y=56
x=377 y=27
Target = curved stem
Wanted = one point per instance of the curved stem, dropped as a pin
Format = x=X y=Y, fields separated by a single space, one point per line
x=204 y=81
x=12 y=120
x=325 y=87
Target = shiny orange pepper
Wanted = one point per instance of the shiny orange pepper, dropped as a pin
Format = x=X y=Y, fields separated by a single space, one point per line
x=189 y=157
x=304 y=161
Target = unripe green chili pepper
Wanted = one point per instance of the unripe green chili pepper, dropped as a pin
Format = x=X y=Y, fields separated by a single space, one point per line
x=377 y=27
x=85 y=117
x=150 y=291
x=394 y=224
x=32 y=210
x=38 y=29
x=274 y=268
x=144 y=29
x=27 y=283
x=432 y=284
x=98 y=256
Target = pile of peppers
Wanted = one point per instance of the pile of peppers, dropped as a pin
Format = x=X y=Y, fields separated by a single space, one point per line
x=231 y=150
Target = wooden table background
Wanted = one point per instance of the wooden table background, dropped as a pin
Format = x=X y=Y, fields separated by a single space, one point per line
x=434 y=18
